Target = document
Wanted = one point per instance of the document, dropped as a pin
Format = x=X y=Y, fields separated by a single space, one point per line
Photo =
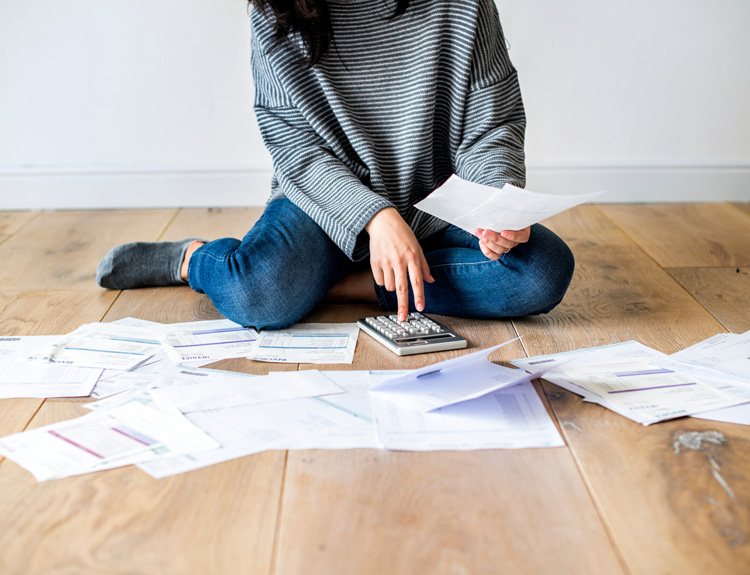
x=254 y=428
x=470 y=206
x=114 y=381
x=628 y=379
x=99 y=440
x=100 y=345
x=727 y=352
x=308 y=343
x=363 y=432
x=203 y=390
x=448 y=382
x=205 y=341
x=510 y=418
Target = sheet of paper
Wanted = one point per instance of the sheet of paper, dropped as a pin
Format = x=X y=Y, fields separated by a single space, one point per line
x=739 y=414
x=727 y=352
x=22 y=378
x=254 y=428
x=98 y=440
x=628 y=379
x=207 y=341
x=448 y=382
x=510 y=418
x=308 y=343
x=100 y=345
x=357 y=402
x=201 y=390
x=114 y=381
x=470 y=206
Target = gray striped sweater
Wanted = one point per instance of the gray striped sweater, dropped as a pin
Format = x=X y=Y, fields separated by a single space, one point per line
x=396 y=108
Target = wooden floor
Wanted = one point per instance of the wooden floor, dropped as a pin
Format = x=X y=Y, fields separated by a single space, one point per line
x=619 y=499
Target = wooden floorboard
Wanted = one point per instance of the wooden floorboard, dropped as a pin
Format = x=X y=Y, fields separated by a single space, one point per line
x=667 y=511
x=60 y=250
x=724 y=292
x=687 y=235
x=620 y=498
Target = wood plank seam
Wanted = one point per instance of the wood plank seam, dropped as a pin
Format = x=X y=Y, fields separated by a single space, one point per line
x=25 y=427
x=279 y=514
x=169 y=223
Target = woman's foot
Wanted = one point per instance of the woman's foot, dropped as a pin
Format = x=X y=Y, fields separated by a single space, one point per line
x=146 y=264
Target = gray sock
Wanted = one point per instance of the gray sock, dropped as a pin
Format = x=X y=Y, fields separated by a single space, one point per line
x=143 y=264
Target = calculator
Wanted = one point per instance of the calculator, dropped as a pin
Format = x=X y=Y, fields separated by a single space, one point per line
x=418 y=334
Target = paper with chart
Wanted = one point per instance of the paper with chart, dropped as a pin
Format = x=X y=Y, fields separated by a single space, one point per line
x=470 y=206
x=101 y=439
x=630 y=379
x=448 y=382
x=510 y=418
x=202 y=390
x=308 y=343
x=100 y=345
x=254 y=428
x=204 y=341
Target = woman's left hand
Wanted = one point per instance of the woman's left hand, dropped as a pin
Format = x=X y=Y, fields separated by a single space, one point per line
x=495 y=244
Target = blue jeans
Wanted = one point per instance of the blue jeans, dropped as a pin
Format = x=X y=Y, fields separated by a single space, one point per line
x=286 y=264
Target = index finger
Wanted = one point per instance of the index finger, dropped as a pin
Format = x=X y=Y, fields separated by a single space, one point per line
x=417 y=284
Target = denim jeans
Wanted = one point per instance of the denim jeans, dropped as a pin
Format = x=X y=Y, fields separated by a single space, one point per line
x=286 y=264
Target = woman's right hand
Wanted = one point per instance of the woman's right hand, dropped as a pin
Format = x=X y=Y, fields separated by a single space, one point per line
x=396 y=259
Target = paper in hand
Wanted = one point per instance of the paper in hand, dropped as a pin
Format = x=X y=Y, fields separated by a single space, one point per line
x=470 y=206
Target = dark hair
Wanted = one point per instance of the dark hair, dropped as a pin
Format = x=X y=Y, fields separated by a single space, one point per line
x=310 y=19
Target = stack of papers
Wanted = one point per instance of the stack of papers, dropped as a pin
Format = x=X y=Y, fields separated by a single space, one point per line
x=640 y=383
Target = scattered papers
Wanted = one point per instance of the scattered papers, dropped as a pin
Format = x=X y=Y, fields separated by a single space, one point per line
x=203 y=390
x=632 y=380
x=204 y=341
x=102 y=439
x=308 y=343
x=100 y=345
x=448 y=382
x=470 y=206
x=511 y=418
x=22 y=378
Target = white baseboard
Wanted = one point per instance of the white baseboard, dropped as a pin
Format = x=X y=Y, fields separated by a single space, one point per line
x=228 y=187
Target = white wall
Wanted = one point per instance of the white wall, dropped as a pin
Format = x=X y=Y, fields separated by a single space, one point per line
x=149 y=103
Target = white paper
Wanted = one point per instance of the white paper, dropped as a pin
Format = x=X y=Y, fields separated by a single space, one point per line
x=629 y=379
x=202 y=390
x=448 y=382
x=101 y=439
x=727 y=352
x=205 y=341
x=114 y=381
x=470 y=206
x=254 y=428
x=739 y=414
x=357 y=402
x=308 y=343
x=100 y=345
x=510 y=418
x=22 y=378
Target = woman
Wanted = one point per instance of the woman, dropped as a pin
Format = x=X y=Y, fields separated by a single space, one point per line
x=366 y=107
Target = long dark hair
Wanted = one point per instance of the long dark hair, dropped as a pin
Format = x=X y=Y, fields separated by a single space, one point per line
x=310 y=19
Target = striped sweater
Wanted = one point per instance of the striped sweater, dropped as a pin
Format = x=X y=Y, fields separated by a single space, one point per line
x=396 y=108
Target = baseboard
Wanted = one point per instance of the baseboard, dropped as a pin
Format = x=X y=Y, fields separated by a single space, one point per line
x=228 y=187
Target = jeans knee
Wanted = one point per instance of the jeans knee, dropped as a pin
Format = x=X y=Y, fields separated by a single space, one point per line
x=552 y=278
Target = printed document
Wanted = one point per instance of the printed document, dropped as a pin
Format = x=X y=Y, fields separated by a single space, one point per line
x=98 y=440
x=308 y=343
x=510 y=418
x=205 y=341
x=629 y=379
x=452 y=381
x=727 y=352
x=204 y=389
x=100 y=345
x=470 y=206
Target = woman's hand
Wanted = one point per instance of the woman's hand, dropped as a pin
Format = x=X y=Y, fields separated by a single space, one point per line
x=495 y=244
x=396 y=259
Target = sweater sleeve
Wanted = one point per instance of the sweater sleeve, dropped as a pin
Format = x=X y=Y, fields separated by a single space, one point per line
x=307 y=170
x=492 y=145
